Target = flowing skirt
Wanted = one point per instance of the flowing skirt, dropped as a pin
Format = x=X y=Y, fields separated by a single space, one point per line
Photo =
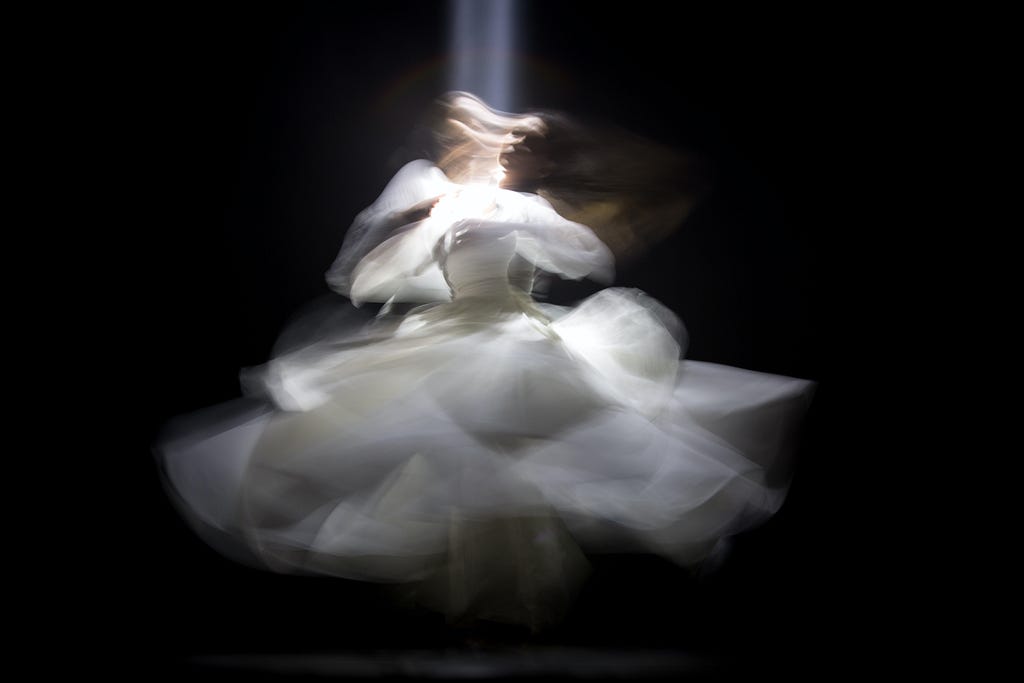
x=476 y=453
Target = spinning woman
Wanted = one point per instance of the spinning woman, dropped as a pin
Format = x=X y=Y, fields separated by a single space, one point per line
x=476 y=448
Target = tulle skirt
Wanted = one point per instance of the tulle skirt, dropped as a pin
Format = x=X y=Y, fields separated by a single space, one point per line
x=476 y=453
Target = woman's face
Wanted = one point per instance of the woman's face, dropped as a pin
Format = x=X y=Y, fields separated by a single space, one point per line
x=525 y=164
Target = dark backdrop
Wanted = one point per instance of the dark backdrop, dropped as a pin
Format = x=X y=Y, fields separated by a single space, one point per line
x=255 y=137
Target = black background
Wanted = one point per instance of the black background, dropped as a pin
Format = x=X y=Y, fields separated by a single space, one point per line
x=254 y=136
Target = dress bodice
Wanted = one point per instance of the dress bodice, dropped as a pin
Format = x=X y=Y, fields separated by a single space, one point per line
x=477 y=241
x=477 y=263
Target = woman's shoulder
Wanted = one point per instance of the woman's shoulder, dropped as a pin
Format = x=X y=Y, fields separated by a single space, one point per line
x=418 y=168
x=415 y=181
x=421 y=172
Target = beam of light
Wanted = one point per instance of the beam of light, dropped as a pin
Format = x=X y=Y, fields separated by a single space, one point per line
x=482 y=37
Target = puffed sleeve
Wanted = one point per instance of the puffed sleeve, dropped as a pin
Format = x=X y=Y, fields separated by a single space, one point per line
x=385 y=254
x=557 y=245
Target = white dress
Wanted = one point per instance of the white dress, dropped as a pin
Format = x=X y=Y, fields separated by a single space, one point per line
x=478 y=447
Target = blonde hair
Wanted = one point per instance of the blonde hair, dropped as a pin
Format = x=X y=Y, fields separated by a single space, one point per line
x=473 y=137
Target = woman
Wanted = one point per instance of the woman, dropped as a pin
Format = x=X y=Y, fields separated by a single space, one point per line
x=476 y=448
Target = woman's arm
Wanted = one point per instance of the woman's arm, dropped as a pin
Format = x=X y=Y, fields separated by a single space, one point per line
x=376 y=252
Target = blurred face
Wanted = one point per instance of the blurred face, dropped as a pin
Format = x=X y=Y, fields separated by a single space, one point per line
x=525 y=163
